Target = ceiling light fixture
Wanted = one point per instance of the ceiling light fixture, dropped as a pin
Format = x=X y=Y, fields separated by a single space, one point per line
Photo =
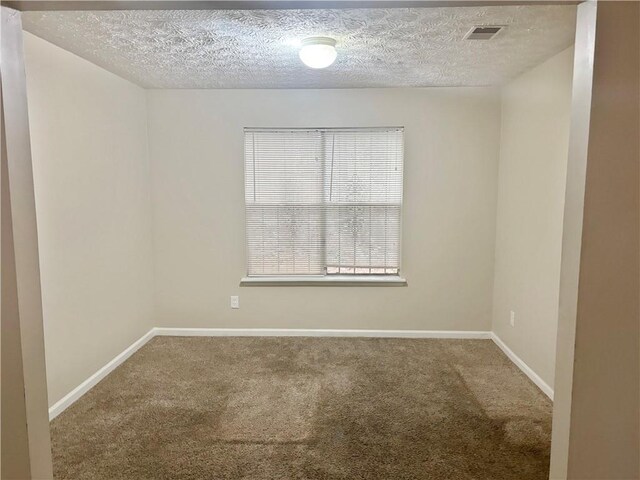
x=318 y=52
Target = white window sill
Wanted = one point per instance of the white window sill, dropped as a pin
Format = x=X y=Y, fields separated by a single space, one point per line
x=329 y=280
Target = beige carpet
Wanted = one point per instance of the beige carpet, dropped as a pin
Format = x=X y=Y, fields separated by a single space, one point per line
x=308 y=408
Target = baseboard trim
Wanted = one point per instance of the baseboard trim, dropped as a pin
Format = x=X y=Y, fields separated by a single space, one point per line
x=296 y=332
x=62 y=404
x=526 y=369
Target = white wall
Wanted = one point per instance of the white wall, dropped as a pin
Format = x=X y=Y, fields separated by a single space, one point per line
x=106 y=253
x=91 y=174
x=596 y=430
x=451 y=155
x=531 y=188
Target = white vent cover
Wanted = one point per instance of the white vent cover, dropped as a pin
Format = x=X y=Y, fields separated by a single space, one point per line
x=483 y=32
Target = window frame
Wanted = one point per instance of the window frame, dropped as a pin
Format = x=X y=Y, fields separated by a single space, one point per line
x=326 y=279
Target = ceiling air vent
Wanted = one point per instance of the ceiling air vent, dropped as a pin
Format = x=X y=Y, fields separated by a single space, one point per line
x=483 y=32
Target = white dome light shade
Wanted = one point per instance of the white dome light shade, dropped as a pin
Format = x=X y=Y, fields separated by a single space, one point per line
x=318 y=52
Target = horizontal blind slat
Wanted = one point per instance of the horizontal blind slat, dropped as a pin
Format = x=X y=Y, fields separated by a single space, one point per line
x=323 y=201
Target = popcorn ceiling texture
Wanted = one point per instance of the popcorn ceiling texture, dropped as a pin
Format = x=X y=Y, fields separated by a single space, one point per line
x=397 y=47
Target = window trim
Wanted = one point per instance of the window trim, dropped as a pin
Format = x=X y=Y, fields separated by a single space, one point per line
x=323 y=281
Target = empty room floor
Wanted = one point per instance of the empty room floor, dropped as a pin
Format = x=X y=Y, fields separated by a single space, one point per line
x=308 y=408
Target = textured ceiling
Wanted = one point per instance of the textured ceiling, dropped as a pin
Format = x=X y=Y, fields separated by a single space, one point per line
x=258 y=48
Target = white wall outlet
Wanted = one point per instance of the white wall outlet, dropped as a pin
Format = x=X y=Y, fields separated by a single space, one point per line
x=512 y=318
x=235 y=301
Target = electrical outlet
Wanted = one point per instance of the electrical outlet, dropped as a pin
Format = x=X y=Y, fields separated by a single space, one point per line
x=512 y=318
x=235 y=301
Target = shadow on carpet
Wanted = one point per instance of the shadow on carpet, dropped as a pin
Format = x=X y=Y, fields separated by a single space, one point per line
x=308 y=408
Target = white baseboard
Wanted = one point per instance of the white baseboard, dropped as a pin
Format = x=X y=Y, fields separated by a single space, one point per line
x=295 y=332
x=526 y=369
x=90 y=382
x=58 y=407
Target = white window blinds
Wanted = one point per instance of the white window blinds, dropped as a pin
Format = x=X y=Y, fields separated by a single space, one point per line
x=323 y=201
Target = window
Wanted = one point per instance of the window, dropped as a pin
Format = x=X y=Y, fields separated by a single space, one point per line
x=323 y=202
